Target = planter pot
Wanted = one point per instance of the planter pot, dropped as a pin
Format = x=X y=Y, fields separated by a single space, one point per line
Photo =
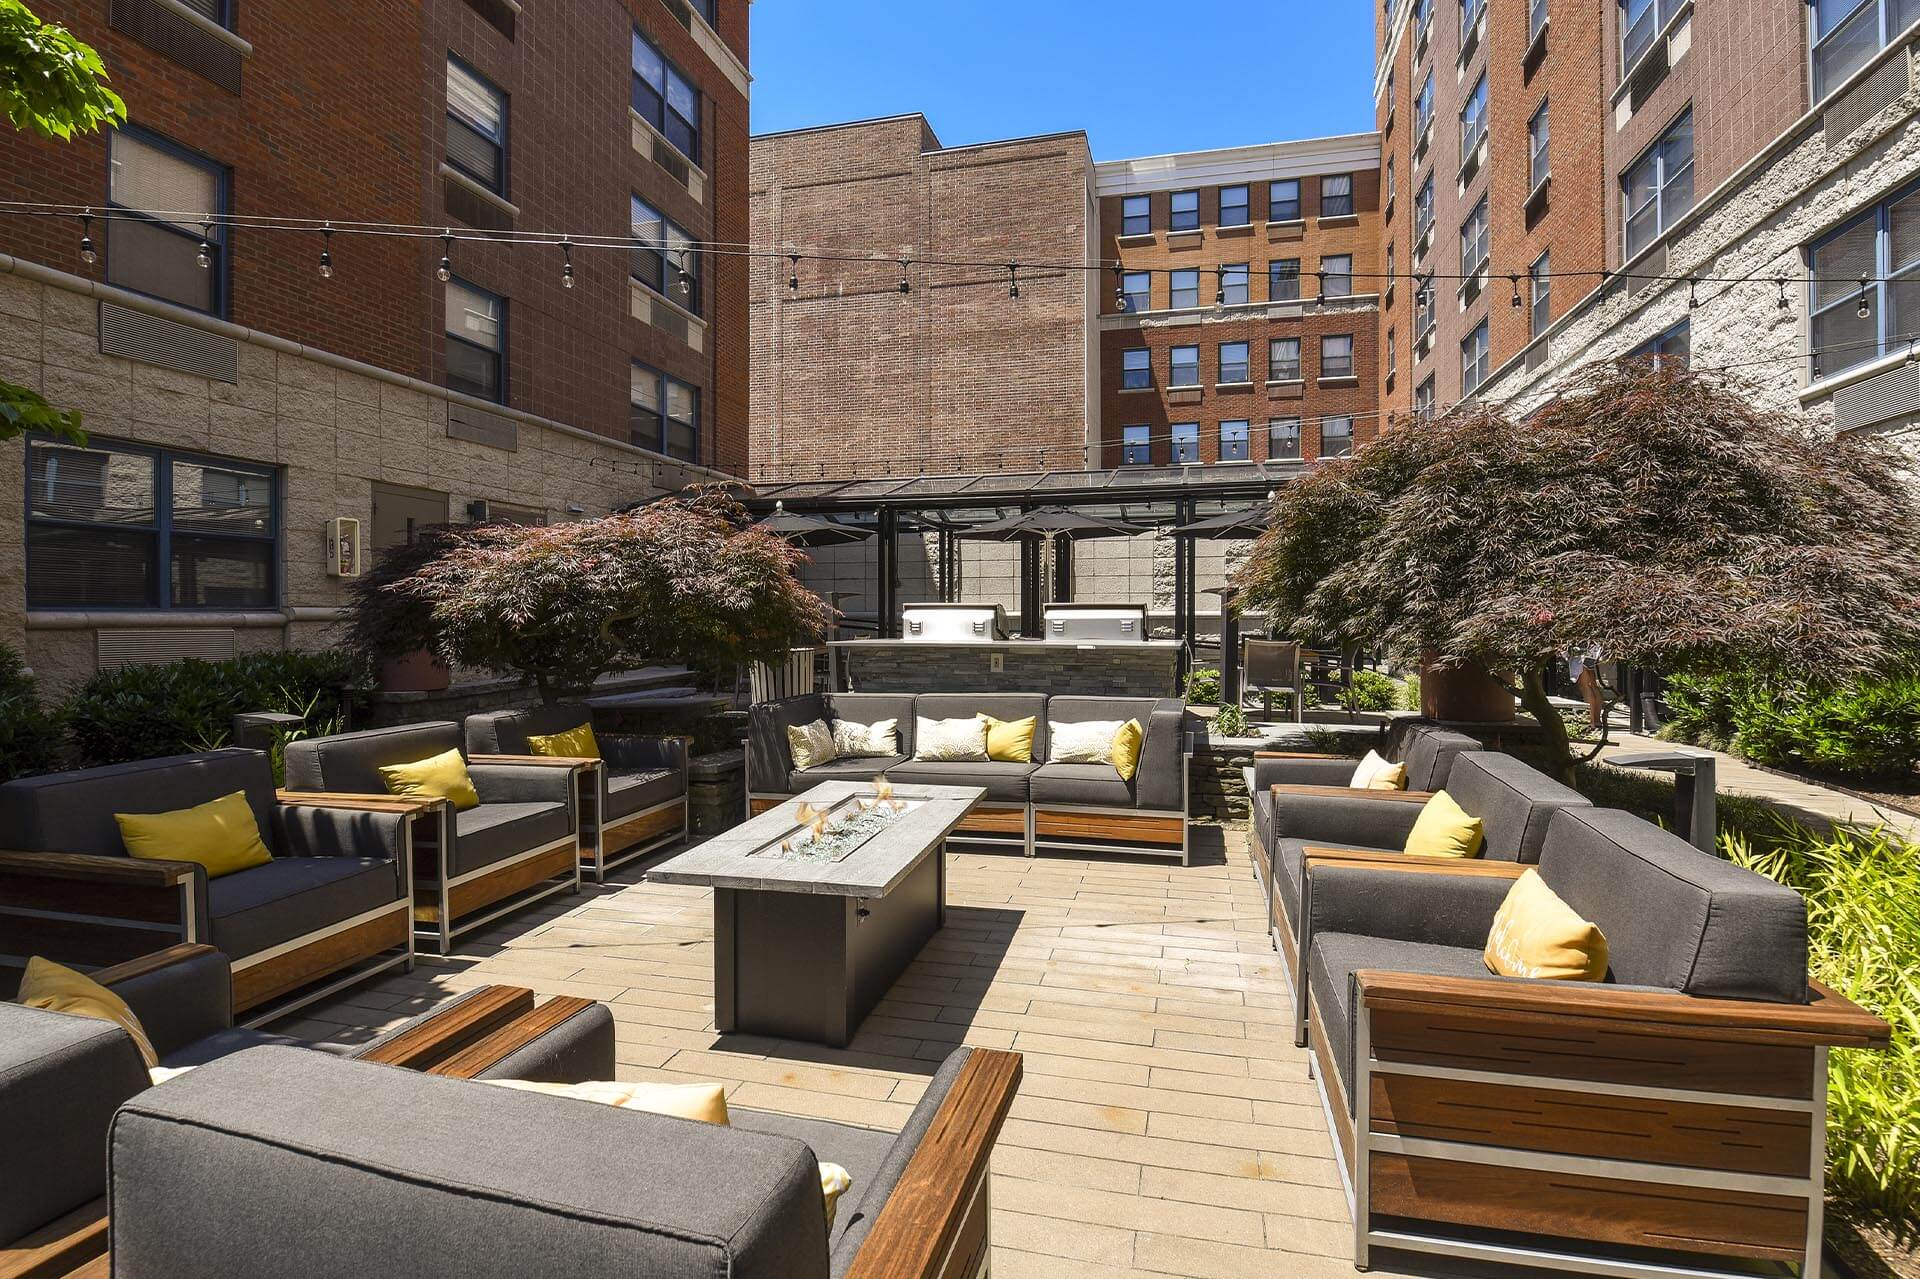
x=1463 y=694
x=416 y=672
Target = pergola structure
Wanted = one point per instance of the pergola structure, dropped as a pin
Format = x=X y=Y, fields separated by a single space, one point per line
x=1157 y=496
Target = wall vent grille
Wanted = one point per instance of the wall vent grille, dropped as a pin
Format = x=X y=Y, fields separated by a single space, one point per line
x=1647 y=273
x=167 y=33
x=152 y=339
x=1854 y=108
x=1895 y=393
x=477 y=426
x=115 y=648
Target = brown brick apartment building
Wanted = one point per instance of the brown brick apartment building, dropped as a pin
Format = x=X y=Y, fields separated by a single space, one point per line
x=1241 y=319
x=851 y=375
x=380 y=394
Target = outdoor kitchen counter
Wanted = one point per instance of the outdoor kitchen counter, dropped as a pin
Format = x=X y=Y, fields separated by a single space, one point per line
x=1099 y=668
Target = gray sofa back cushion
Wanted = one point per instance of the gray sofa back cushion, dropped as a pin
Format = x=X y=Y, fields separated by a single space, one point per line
x=73 y=812
x=351 y=762
x=1429 y=754
x=1159 y=782
x=868 y=708
x=769 y=759
x=1676 y=917
x=1514 y=802
x=506 y=732
x=61 y=1077
x=859 y=1215
x=998 y=705
x=358 y=1170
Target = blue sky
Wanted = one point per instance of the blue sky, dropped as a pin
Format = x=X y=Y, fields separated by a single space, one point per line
x=1141 y=77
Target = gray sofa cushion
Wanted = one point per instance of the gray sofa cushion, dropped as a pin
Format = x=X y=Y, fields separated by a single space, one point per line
x=181 y=1002
x=351 y=762
x=592 y=1192
x=73 y=812
x=506 y=732
x=1303 y=772
x=261 y=907
x=1290 y=871
x=1674 y=916
x=224 y=1043
x=495 y=832
x=1335 y=958
x=864 y=768
x=859 y=1215
x=861 y=1151
x=1095 y=784
x=770 y=760
x=999 y=705
x=1513 y=802
x=1004 y=783
x=1429 y=754
x=1348 y=817
x=1158 y=783
x=577 y=1050
x=61 y=1078
x=622 y=794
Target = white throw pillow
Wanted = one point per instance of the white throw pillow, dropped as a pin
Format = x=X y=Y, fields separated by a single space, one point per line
x=862 y=741
x=810 y=743
x=950 y=740
x=1371 y=766
x=1088 y=742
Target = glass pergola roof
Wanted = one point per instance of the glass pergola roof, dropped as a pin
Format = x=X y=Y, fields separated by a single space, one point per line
x=1244 y=481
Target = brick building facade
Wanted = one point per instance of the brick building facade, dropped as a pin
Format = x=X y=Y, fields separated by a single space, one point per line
x=381 y=394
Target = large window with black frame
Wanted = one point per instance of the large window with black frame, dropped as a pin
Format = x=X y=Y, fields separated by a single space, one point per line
x=664 y=414
x=476 y=341
x=665 y=98
x=664 y=258
x=476 y=126
x=168 y=240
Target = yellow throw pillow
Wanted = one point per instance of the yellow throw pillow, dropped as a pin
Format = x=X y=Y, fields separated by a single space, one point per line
x=1126 y=749
x=575 y=743
x=1010 y=740
x=442 y=776
x=59 y=989
x=1536 y=934
x=811 y=744
x=222 y=834
x=1392 y=777
x=1444 y=829
x=706 y=1103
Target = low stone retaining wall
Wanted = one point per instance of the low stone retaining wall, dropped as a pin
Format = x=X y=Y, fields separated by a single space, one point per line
x=1108 y=670
x=716 y=791
x=1216 y=787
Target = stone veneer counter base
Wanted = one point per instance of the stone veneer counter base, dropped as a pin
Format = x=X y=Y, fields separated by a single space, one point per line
x=1129 y=668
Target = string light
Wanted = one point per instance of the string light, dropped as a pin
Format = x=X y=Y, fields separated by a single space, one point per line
x=1013 y=279
x=1320 y=288
x=566 y=264
x=205 y=256
x=444 y=271
x=906 y=286
x=1514 y=280
x=326 y=254
x=1864 y=311
x=793 y=276
x=87 y=254
x=1693 y=293
x=1782 y=282
x=1220 y=287
x=685 y=282
x=1119 y=287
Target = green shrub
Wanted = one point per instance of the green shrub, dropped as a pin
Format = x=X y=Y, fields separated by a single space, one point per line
x=1864 y=728
x=30 y=731
x=1230 y=722
x=142 y=712
x=1409 y=694
x=1371 y=691
x=1203 y=685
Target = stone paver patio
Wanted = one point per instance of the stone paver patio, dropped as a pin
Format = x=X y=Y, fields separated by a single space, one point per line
x=1166 y=1124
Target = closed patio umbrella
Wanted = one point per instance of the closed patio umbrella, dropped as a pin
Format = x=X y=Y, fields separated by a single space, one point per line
x=1046 y=525
x=1228 y=525
x=810 y=530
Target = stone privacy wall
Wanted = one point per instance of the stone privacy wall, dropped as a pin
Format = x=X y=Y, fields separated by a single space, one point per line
x=1029 y=668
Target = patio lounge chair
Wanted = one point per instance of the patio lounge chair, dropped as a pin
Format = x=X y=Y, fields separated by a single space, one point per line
x=328 y=910
x=1668 y=1120
x=632 y=802
x=519 y=844
x=446 y=1178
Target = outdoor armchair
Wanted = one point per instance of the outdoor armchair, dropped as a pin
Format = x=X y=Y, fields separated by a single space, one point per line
x=630 y=801
x=470 y=866
x=331 y=907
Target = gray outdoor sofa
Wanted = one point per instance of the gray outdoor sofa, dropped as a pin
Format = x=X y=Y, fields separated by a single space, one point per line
x=521 y=843
x=631 y=802
x=353 y=1170
x=1031 y=806
x=331 y=908
x=1669 y=1120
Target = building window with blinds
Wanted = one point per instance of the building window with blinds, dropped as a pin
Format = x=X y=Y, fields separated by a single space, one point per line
x=664 y=258
x=116 y=526
x=476 y=342
x=664 y=414
x=476 y=127
x=666 y=99
x=174 y=246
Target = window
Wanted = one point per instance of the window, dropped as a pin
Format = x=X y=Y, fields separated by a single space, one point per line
x=1283 y=280
x=1136 y=369
x=1473 y=359
x=1473 y=240
x=1283 y=439
x=1848 y=33
x=1186 y=442
x=664 y=414
x=666 y=99
x=1882 y=244
x=1387 y=284
x=1233 y=284
x=1423 y=399
x=1336 y=195
x=1233 y=362
x=1423 y=308
x=1674 y=347
x=1283 y=360
x=1393 y=355
x=706 y=9
x=1336 y=437
x=1336 y=355
x=1423 y=210
x=114 y=526
x=1233 y=441
x=1135 y=448
x=1470 y=11
x=1536 y=19
x=1473 y=118
x=1423 y=106
x=1283 y=200
x=1186 y=287
x=1137 y=288
x=1336 y=276
x=1540 y=283
x=1234 y=206
x=1186 y=366
x=1423 y=16
x=160 y=256
x=663 y=258
x=214 y=11
x=1658 y=188
x=1184 y=211
x=1641 y=21
x=1136 y=215
x=476 y=342
x=1539 y=164
x=1387 y=187
x=476 y=126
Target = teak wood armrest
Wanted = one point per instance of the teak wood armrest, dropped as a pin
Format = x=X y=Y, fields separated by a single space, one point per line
x=922 y=1219
x=510 y=1038
x=443 y=1034
x=1356 y=859
x=537 y=761
x=1303 y=755
x=364 y=803
x=141 y=872
x=60 y=1247
x=153 y=963
x=1349 y=792
x=1828 y=1018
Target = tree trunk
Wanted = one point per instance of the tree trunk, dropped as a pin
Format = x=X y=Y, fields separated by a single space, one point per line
x=1554 y=743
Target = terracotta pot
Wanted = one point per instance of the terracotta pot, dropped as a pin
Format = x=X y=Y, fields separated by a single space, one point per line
x=417 y=672
x=1463 y=694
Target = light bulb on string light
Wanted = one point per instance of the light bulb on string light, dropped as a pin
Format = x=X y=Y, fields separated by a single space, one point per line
x=1864 y=310
x=326 y=253
x=906 y=286
x=566 y=264
x=87 y=253
x=1013 y=279
x=444 y=271
x=1515 y=281
x=205 y=256
x=793 y=272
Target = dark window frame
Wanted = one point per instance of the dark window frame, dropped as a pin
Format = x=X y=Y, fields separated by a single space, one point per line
x=1136 y=379
x=1174 y=365
x=664 y=421
x=1145 y=295
x=1245 y=205
x=1244 y=363
x=670 y=271
x=1336 y=368
x=1326 y=421
x=499 y=357
x=1174 y=214
x=1240 y=448
x=222 y=268
x=1175 y=289
x=1281 y=425
x=1655 y=154
x=1337 y=204
x=656 y=113
x=1136 y=452
x=1128 y=220
x=1184 y=448
x=501 y=187
x=1283 y=208
x=1276 y=365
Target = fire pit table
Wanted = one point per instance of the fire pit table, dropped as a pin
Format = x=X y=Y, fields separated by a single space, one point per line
x=821 y=902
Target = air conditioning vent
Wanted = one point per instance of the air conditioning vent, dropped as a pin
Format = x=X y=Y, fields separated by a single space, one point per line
x=465 y=206
x=1647 y=273
x=501 y=15
x=1860 y=104
x=168 y=33
x=169 y=344
x=1536 y=356
x=153 y=646
x=1895 y=393
x=477 y=426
